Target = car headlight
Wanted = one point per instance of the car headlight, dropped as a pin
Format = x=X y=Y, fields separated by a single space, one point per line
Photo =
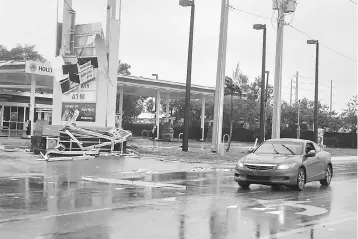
x=286 y=166
x=240 y=164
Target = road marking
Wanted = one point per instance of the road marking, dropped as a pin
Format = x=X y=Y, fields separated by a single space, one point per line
x=275 y=212
x=172 y=199
x=262 y=209
x=232 y=207
x=78 y=212
x=314 y=222
x=310 y=210
x=300 y=230
x=134 y=183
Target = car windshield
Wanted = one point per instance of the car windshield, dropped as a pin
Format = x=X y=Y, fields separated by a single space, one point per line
x=287 y=148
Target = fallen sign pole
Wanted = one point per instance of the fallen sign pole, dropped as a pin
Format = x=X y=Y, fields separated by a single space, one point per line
x=134 y=183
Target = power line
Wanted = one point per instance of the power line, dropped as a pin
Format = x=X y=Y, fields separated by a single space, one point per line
x=249 y=13
x=289 y=24
x=322 y=43
x=353 y=2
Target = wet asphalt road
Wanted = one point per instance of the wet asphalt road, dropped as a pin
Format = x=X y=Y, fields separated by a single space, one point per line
x=60 y=204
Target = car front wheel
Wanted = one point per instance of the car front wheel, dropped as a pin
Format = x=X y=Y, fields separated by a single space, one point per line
x=301 y=180
x=244 y=184
x=328 y=178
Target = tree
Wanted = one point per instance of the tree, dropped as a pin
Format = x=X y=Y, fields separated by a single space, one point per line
x=123 y=68
x=231 y=88
x=350 y=114
x=19 y=52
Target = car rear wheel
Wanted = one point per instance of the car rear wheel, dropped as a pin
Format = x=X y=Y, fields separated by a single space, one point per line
x=244 y=184
x=301 y=180
x=328 y=178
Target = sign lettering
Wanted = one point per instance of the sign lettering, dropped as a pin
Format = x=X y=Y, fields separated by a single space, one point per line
x=84 y=66
x=78 y=96
x=38 y=68
x=85 y=86
x=86 y=75
x=75 y=96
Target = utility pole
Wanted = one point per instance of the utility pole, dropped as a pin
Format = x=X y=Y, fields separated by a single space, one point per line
x=296 y=94
x=276 y=116
x=220 y=79
x=298 y=120
x=188 y=77
x=330 y=99
x=291 y=94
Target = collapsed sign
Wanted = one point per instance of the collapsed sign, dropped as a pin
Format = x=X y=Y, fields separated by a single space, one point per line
x=86 y=75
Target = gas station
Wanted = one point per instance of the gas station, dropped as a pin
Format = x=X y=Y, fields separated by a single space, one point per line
x=16 y=93
x=25 y=95
x=80 y=77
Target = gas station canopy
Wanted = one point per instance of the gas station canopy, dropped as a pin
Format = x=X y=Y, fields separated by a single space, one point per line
x=13 y=77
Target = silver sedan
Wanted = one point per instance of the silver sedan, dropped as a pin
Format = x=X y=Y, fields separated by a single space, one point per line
x=289 y=162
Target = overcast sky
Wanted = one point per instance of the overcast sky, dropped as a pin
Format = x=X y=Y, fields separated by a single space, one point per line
x=154 y=39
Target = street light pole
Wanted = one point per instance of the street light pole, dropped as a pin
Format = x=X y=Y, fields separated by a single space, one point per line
x=266 y=99
x=315 y=116
x=188 y=73
x=262 y=103
x=156 y=76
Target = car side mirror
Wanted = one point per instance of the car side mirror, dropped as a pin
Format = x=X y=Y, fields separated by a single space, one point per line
x=311 y=153
x=250 y=151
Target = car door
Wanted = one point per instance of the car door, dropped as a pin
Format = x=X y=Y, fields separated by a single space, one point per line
x=321 y=161
x=310 y=163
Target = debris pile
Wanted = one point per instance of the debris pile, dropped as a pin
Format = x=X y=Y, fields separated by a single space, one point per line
x=79 y=143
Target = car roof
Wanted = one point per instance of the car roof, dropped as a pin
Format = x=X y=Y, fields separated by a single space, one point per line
x=289 y=140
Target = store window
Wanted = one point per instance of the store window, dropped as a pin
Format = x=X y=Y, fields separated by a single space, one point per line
x=14 y=117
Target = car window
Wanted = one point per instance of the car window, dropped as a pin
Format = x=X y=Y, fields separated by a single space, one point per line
x=309 y=147
x=317 y=148
x=287 y=148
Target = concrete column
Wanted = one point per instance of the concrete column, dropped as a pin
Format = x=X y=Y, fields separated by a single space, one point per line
x=112 y=39
x=24 y=119
x=157 y=113
x=120 y=107
x=167 y=106
x=202 y=116
x=32 y=103
x=2 y=116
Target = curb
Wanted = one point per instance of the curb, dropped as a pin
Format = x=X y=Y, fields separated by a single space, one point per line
x=233 y=165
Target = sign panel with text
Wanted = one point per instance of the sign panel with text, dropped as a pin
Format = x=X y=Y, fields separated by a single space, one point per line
x=38 y=68
x=87 y=111
x=86 y=75
x=81 y=96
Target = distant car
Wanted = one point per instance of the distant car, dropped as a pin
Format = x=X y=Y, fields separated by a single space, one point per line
x=289 y=162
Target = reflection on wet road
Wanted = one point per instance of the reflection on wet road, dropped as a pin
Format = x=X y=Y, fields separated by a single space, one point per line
x=61 y=204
